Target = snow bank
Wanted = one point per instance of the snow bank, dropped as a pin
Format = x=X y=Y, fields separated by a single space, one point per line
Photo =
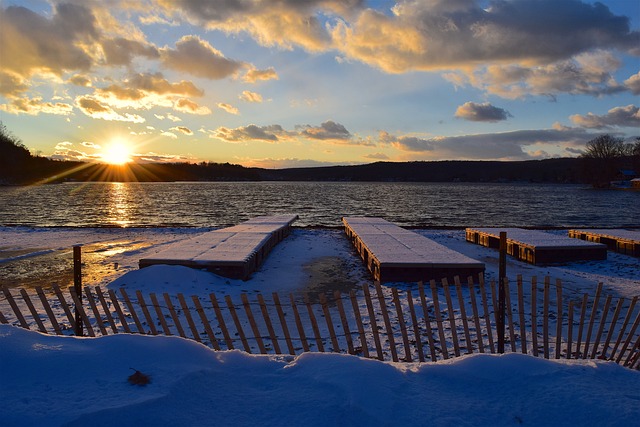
x=50 y=381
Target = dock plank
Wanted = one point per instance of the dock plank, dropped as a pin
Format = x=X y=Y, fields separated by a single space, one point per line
x=233 y=252
x=618 y=240
x=393 y=253
x=537 y=247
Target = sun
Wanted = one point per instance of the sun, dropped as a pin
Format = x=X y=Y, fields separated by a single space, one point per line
x=116 y=153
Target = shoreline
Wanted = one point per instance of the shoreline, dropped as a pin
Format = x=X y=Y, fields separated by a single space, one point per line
x=309 y=258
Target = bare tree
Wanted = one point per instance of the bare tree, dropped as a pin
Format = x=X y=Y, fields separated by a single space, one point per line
x=605 y=147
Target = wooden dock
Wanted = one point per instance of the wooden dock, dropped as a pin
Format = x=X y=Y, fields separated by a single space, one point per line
x=623 y=241
x=538 y=247
x=394 y=254
x=233 y=252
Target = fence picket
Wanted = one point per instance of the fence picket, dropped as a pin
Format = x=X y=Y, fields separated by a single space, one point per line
x=387 y=322
x=523 y=326
x=187 y=314
x=603 y=320
x=628 y=340
x=545 y=317
x=105 y=308
x=476 y=317
x=403 y=325
x=592 y=319
x=463 y=315
x=327 y=318
x=132 y=310
x=416 y=327
x=83 y=315
x=583 y=311
x=283 y=323
x=205 y=322
x=32 y=309
x=372 y=321
x=344 y=321
x=236 y=321
x=364 y=345
x=509 y=311
x=14 y=307
x=223 y=325
x=253 y=324
x=569 y=329
x=174 y=315
x=623 y=328
x=94 y=308
x=64 y=305
x=48 y=310
x=486 y=315
x=436 y=306
x=314 y=323
x=158 y=309
x=427 y=321
x=267 y=321
x=534 y=316
x=296 y=314
x=147 y=315
x=452 y=317
x=614 y=322
x=558 y=318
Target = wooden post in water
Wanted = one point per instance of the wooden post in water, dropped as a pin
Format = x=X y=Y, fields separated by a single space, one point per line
x=502 y=274
x=77 y=285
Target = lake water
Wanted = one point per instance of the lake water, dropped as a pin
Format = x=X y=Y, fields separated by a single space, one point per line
x=217 y=204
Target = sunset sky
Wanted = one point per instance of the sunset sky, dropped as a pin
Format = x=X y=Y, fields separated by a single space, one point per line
x=286 y=83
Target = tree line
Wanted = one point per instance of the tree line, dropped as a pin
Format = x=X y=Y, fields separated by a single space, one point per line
x=603 y=157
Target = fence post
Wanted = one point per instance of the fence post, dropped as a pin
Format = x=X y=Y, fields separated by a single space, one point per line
x=502 y=274
x=77 y=285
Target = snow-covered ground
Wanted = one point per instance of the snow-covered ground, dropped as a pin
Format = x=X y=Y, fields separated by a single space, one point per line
x=54 y=381
x=48 y=380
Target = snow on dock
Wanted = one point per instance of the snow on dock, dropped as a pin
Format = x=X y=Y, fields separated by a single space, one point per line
x=393 y=254
x=233 y=252
x=538 y=247
x=622 y=241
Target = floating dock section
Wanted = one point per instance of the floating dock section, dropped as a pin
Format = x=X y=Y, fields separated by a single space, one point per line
x=233 y=252
x=394 y=254
x=623 y=241
x=538 y=247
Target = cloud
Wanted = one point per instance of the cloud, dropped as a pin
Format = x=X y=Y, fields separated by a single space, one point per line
x=80 y=80
x=90 y=144
x=94 y=108
x=31 y=43
x=228 y=108
x=481 y=112
x=503 y=146
x=35 y=106
x=328 y=130
x=11 y=84
x=628 y=116
x=169 y=135
x=249 y=96
x=252 y=132
x=435 y=35
x=253 y=75
x=286 y=163
x=283 y=23
x=190 y=107
x=633 y=83
x=587 y=74
x=183 y=129
x=121 y=51
x=197 y=57
x=376 y=156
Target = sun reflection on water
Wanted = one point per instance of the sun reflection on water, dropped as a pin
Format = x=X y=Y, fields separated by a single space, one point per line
x=120 y=208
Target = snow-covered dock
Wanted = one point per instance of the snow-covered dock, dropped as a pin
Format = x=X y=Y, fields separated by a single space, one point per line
x=622 y=241
x=393 y=254
x=233 y=252
x=538 y=247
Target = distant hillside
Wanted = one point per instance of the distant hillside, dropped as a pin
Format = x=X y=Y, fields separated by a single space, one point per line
x=563 y=170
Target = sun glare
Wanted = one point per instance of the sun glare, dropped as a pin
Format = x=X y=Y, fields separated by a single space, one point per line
x=116 y=153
